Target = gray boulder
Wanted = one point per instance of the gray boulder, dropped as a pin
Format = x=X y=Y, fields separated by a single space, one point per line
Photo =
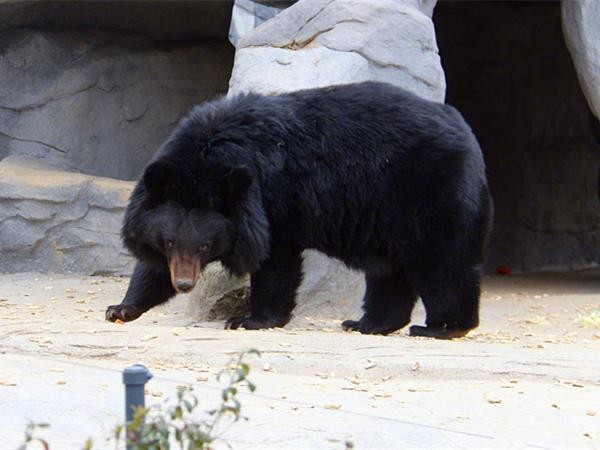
x=97 y=102
x=318 y=43
x=53 y=221
x=247 y=15
x=581 y=27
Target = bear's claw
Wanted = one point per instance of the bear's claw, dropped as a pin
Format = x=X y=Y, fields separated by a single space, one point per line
x=254 y=323
x=366 y=327
x=126 y=313
x=351 y=325
x=438 y=332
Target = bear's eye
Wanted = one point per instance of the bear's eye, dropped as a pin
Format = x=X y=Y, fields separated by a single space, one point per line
x=169 y=243
x=205 y=247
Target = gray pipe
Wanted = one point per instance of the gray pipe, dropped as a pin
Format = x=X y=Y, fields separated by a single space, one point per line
x=134 y=378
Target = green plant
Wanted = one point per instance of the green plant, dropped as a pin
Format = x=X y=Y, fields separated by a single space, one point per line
x=156 y=427
x=174 y=424
x=591 y=319
x=30 y=436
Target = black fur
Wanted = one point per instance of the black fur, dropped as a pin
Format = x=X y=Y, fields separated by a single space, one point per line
x=379 y=178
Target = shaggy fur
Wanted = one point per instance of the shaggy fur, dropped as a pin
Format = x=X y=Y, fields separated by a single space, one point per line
x=389 y=183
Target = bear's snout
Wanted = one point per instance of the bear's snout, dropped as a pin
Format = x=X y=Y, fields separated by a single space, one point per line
x=185 y=271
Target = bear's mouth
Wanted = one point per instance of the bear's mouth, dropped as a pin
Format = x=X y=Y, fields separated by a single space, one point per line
x=185 y=270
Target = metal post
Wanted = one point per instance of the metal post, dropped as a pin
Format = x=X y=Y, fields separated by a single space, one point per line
x=134 y=378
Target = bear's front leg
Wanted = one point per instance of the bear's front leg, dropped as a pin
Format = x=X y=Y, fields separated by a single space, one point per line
x=149 y=287
x=272 y=290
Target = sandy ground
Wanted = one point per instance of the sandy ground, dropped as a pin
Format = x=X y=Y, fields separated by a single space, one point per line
x=529 y=377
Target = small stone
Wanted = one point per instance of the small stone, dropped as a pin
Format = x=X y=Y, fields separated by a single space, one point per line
x=333 y=406
x=370 y=364
x=149 y=337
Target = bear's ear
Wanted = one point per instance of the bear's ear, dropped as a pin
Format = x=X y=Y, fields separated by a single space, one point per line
x=237 y=182
x=159 y=175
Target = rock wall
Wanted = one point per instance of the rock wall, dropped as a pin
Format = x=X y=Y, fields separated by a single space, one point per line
x=60 y=221
x=509 y=72
x=100 y=102
x=93 y=87
x=160 y=20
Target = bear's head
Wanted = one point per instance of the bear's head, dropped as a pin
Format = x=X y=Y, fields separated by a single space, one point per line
x=185 y=214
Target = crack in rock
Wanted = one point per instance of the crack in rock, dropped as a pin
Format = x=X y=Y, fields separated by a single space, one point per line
x=44 y=102
x=60 y=150
x=313 y=17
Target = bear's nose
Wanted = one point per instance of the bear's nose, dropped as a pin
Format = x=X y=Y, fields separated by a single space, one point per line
x=184 y=286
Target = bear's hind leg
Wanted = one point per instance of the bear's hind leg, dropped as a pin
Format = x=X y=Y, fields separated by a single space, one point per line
x=451 y=301
x=272 y=290
x=148 y=288
x=387 y=305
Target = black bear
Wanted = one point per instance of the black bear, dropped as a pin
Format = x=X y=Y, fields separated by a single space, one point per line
x=387 y=182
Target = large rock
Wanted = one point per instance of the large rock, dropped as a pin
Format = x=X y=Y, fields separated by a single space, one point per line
x=100 y=102
x=52 y=221
x=248 y=14
x=318 y=43
x=581 y=26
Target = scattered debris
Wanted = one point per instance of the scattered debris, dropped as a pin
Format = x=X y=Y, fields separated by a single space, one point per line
x=420 y=389
x=370 y=364
x=333 y=406
x=503 y=270
x=149 y=337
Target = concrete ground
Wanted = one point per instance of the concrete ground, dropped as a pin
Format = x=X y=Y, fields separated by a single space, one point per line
x=529 y=377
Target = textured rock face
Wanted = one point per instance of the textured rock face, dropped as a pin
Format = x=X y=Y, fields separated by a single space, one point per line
x=581 y=26
x=161 y=20
x=59 y=221
x=317 y=43
x=93 y=87
x=211 y=290
x=99 y=103
x=531 y=118
x=248 y=14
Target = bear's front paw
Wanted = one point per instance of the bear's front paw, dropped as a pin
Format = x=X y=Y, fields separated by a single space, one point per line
x=437 y=331
x=366 y=327
x=126 y=313
x=254 y=323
